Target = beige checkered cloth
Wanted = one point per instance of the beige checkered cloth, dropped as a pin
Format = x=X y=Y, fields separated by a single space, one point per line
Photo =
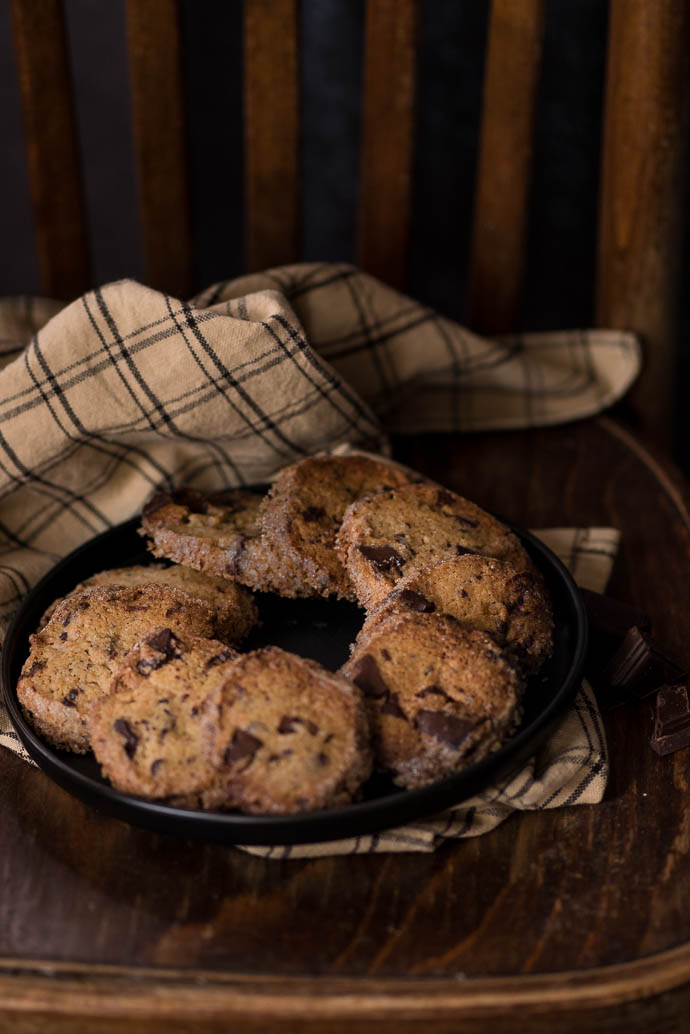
x=127 y=390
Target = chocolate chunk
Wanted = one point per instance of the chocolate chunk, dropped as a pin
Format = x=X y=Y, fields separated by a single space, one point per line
x=369 y=678
x=638 y=667
x=612 y=617
x=242 y=745
x=384 y=558
x=35 y=667
x=220 y=658
x=444 y=498
x=415 y=601
x=467 y=522
x=155 y=765
x=165 y=644
x=122 y=726
x=195 y=501
x=672 y=720
x=156 y=502
x=70 y=697
x=288 y=723
x=68 y=617
x=444 y=727
x=164 y=641
x=63 y=636
x=323 y=759
x=313 y=513
x=391 y=705
x=462 y=550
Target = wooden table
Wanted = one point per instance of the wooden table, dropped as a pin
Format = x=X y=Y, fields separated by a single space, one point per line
x=578 y=918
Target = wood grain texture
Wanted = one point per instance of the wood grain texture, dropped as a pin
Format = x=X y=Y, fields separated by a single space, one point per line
x=498 y=250
x=388 y=129
x=578 y=917
x=158 y=125
x=271 y=132
x=642 y=191
x=52 y=151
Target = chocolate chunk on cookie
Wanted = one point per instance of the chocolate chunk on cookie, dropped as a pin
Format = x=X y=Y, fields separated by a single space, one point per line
x=235 y=609
x=385 y=537
x=440 y=697
x=221 y=536
x=305 y=508
x=293 y=736
x=153 y=734
x=481 y=593
x=74 y=656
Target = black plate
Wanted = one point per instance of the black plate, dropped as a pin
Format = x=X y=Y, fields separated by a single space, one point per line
x=313 y=628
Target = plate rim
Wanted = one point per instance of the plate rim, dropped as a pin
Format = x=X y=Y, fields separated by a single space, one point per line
x=370 y=816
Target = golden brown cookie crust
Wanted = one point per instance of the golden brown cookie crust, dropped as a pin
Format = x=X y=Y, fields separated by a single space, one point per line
x=293 y=737
x=440 y=697
x=153 y=734
x=481 y=593
x=386 y=536
x=305 y=508
x=234 y=606
x=73 y=658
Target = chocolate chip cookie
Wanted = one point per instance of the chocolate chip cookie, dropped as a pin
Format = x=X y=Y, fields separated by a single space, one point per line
x=235 y=609
x=221 y=536
x=386 y=536
x=153 y=733
x=440 y=697
x=305 y=508
x=293 y=737
x=481 y=593
x=73 y=658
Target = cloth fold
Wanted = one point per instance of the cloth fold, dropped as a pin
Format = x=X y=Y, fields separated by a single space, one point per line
x=127 y=390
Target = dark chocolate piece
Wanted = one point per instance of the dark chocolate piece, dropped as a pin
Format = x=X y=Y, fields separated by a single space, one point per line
x=220 y=658
x=671 y=721
x=313 y=513
x=444 y=727
x=416 y=601
x=444 y=498
x=382 y=557
x=122 y=726
x=165 y=645
x=69 y=698
x=391 y=705
x=638 y=667
x=369 y=678
x=156 y=502
x=288 y=723
x=242 y=745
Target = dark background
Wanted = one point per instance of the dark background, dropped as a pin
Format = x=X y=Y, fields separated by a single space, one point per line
x=563 y=208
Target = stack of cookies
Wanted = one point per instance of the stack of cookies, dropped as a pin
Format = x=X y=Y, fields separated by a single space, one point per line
x=142 y=665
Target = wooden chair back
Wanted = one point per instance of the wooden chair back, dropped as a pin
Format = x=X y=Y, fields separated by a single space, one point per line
x=642 y=172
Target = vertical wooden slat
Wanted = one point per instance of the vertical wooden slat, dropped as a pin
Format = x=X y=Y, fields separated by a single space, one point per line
x=271 y=132
x=641 y=205
x=499 y=234
x=158 y=124
x=388 y=125
x=51 y=146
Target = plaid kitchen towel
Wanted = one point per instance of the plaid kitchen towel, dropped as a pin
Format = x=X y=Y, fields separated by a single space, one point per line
x=127 y=390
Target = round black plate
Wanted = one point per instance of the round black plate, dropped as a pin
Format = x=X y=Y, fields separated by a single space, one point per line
x=322 y=630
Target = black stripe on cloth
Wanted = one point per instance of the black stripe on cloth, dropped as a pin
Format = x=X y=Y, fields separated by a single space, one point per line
x=231 y=380
x=337 y=386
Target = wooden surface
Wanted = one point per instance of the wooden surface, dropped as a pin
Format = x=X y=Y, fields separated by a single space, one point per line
x=388 y=130
x=52 y=154
x=579 y=917
x=159 y=130
x=498 y=251
x=271 y=133
x=643 y=190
